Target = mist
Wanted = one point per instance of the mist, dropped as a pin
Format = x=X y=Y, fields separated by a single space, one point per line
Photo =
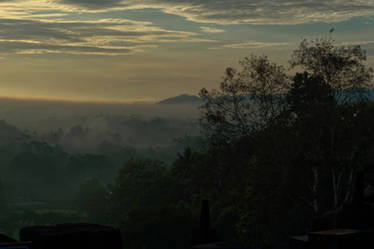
x=42 y=115
x=83 y=127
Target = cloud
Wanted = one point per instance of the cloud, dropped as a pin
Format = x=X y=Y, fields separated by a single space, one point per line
x=244 y=11
x=94 y=4
x=100 y=37
x=256 y=44
x=213 y=11
x=367 y=45
x=361 y=43
x=51 y=26
x=211 y=30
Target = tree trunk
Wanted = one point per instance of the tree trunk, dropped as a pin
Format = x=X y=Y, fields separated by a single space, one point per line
x=315 y=190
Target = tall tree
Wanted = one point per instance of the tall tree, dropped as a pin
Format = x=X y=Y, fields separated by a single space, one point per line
x=335 y=81
x=246 y=100
x=305 y=137
x=340 y=67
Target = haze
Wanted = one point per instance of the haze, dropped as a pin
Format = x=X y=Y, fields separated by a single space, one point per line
x=147 y=50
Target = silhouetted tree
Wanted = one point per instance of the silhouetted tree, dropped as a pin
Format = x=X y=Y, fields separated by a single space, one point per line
x=146 y=205
x=338 y=81
x=304 y=137
x=340 y=67
x=139 y=184
x=246 y=101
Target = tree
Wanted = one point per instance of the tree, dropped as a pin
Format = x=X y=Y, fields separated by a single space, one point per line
x=144 y=203
x=340 y=67
x=242 y=123
x=312 y=103
x=305 y=137
x=91 y=200
x=309 y=93
x=246 y=101
x=333 y=96
x=139 y=184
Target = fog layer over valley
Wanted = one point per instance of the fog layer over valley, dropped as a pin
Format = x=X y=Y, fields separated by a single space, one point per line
x=84 y=127
x=48 y=149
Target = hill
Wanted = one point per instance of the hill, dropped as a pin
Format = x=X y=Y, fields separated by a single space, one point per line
x=181 y=99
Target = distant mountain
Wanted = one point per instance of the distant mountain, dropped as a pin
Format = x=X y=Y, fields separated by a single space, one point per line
x=181 y=99
x=191 y=99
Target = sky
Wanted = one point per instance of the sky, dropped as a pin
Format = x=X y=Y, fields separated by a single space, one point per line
x=148 y=50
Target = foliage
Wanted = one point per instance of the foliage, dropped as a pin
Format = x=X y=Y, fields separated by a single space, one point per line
x=246 y=101
x=139 y=184
x=91 y=200
x=340 y=67
x=146 y=204
x=305 y=138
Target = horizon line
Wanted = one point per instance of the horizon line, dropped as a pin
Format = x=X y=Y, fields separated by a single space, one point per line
x=78 y=101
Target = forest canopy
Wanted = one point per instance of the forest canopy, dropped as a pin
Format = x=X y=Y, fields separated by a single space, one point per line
x=296 y=141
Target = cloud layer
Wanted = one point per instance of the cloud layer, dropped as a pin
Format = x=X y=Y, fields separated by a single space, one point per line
x=52 y=26
x=223 y=11
x=211 y=30
x=244 y=11
x=256 y=44
x=100 y=37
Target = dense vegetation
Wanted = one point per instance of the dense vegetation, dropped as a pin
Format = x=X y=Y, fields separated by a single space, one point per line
x=277 y=152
